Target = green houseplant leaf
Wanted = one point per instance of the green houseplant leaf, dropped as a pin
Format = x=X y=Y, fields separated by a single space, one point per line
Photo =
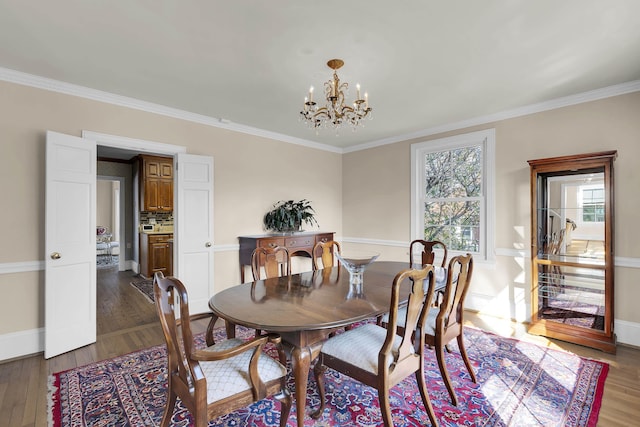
x=288 y=216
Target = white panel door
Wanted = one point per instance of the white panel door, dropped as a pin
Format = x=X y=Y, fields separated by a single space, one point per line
x=70 y=243
x=194 y=219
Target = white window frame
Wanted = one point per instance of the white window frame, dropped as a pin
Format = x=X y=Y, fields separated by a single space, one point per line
x=485 y=138
x=581 y=203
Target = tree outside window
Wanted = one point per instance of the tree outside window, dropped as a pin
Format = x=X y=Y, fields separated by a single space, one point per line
x=453 y=189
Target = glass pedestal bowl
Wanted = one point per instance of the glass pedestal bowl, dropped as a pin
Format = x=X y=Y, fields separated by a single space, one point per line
x=356 y=262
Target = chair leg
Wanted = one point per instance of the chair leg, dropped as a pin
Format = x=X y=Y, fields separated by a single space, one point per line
x=385 y=407
x=439 y=348
x=200 y=418
x=318 y=372
x=169 y=407
x=467 y=362
x=230 y=329
x=285 y=407
x=422 y=385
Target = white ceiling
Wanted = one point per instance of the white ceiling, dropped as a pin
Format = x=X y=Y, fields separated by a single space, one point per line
x=425 y=64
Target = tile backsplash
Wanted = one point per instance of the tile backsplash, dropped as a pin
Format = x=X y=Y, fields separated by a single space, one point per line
x=160 y=217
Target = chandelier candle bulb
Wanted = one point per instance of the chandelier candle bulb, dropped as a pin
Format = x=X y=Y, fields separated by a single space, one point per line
x=358 y=89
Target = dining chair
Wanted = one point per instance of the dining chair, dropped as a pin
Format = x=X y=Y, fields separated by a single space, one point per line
x=326 y=251
x=377 y=356
x=222 y=377
x=274 y=262
x=446 y=321
x=427 y=254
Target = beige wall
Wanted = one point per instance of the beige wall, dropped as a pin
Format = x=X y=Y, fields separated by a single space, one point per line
x=251 y=173
x=359 y=195
x=376 y=191
x=104 y=210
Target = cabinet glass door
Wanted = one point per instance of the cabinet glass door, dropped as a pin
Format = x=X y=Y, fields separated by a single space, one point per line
x=571 y=251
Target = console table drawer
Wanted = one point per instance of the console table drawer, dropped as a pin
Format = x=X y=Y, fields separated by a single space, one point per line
x=299 y=242
x=271 y=242
x=324 y=238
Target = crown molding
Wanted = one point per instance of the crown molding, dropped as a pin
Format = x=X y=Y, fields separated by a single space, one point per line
x=580 y=98
x=38 y=82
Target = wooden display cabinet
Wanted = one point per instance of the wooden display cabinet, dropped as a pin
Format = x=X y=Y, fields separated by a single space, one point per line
x=156 y=184
x=572 y=260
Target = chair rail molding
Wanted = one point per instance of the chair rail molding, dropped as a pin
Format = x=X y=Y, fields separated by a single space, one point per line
x=21 y=267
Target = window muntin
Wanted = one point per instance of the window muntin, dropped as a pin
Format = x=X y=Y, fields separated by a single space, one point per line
x=593 y=205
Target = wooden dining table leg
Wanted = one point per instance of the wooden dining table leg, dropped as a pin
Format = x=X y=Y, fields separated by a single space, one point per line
x=301 y=359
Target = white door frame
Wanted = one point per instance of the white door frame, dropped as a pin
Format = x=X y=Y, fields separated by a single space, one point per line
x=138 y=145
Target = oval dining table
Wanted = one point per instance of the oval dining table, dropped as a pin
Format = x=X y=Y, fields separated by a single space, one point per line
x=305 y=308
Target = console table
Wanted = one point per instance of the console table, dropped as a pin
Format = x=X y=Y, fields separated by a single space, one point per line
x=298 y=244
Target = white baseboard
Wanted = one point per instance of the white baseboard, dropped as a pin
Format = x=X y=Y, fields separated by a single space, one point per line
x=626 y=332
x=22 y=343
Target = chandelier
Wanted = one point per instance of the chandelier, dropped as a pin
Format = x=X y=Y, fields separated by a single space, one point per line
x=335 y=113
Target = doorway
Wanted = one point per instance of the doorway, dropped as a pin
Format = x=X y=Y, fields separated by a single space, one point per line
x=120 y=306
x=193 y=251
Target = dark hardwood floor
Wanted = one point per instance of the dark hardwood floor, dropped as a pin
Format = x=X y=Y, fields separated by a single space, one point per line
x=127 y=322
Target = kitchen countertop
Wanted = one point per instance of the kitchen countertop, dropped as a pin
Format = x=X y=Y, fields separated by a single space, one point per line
x=157 y=232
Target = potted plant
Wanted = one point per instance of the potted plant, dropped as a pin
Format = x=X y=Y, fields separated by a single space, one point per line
x=288 y=216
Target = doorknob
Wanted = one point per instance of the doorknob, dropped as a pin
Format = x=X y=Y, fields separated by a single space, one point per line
x=56 y=255
x=208 y=244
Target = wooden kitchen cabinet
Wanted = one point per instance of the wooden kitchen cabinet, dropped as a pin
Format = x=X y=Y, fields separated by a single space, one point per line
x=298 y=244
x=155 y=254
x=156 y=183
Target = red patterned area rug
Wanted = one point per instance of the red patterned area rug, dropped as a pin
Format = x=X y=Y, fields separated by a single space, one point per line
x=519 y=384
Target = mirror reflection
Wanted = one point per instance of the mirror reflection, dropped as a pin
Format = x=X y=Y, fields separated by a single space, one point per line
x=571 y=228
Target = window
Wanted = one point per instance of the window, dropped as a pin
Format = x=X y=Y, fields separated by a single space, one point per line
x=452 y=192
x=593 y=205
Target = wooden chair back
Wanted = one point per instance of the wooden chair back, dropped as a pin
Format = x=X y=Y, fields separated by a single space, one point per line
x=417 y=311
x=459 y=274
x=324 y=251
x=427 y=255
x=274 y=262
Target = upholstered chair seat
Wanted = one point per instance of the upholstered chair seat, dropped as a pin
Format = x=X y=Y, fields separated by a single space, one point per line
x=229 y=376
x=360 y=346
